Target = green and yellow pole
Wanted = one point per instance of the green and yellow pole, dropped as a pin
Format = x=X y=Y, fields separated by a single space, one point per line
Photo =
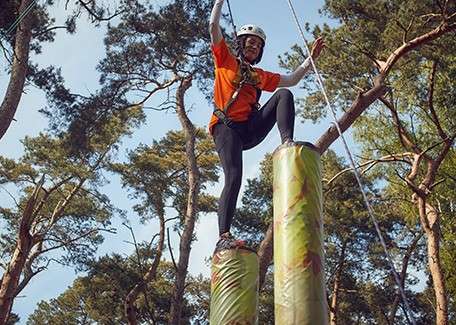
x=234 y=287
x=299 y=284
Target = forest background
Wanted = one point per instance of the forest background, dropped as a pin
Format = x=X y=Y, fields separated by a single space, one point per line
x=114 y=171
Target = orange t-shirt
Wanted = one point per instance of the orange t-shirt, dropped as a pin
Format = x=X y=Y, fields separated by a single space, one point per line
x=227 y=78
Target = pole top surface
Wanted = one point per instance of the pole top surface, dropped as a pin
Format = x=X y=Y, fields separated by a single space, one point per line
x=296 y=144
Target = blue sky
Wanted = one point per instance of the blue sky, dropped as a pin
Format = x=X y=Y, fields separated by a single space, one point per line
x=78 y=55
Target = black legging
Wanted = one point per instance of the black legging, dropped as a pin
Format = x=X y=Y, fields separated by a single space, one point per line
x=231 y=141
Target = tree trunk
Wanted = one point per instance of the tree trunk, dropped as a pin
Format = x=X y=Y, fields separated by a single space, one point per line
x=193 y=191
x=430 y=221
x=130 y=311
x=18 y=70
x=333 y=310
x=265 y=252
x=10 y=279
x=405 y=263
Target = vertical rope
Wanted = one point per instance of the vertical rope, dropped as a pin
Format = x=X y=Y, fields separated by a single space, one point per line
x=237 y=40
x=358 y=178
x=21 y=16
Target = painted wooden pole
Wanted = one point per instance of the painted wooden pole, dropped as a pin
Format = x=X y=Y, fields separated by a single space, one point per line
x=234 y=287
x=299 y=283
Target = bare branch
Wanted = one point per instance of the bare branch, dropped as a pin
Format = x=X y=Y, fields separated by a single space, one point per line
x=171 y=251
x=158 y=88
x=135 y=243
x=47 y=30
x=437 y=183
x=405 y=263
x=371 y=163
x=403 y=135
x=10 y=195
x=6 y=53
x=75 y=239
x=170 y=219
x=363 y=51
x=411 y=45
x=406 y=29
x=95 y=16
x=435 y=164
x=434 y=116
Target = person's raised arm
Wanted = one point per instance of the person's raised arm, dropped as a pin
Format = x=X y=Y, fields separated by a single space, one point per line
x=214 y=22
x=293 y=78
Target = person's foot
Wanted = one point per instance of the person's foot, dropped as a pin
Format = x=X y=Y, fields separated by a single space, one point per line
x=227 y=241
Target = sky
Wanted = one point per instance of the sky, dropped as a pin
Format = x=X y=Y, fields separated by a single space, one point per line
x=78 y=55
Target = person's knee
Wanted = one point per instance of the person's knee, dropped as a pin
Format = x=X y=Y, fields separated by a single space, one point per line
x=285 y=93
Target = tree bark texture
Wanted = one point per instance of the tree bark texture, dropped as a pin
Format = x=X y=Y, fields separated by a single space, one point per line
x=18 y=70
x=431 y=225
x=192 y=200
x=334 y=304
x=10 y=279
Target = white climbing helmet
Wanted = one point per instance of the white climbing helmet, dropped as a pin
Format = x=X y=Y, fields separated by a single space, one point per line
x=252 y=30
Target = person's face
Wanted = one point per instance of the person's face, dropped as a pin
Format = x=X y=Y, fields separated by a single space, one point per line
x=252 y=47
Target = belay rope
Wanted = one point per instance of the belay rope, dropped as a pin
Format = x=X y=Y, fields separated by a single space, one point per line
x=407 y=309
x=18 y=20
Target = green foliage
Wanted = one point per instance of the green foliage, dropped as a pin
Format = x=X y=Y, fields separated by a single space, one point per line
x=43 y=29
x=151 y=46
x=70 y=214
x=368 y=31
x=98 y=297
x=253 y=218
x=158 y=175
x=266 y=301
x=351 y=242
x=415 y=116
x=352 y=245
x=76 y=229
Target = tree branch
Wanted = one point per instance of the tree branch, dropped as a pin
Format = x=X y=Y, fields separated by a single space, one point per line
x=75 y=239
x=171 y=251
x=411 y=45
x=95 y=16
x=434 y=116
x=47 y=30
x=371 y=163
x=361 y=103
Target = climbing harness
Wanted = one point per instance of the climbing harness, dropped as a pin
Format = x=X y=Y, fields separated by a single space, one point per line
x=407 y=309
x=222 y=114
x=246 y=79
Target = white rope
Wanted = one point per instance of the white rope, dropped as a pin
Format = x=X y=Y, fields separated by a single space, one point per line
x=358 y=178
x=21 y=16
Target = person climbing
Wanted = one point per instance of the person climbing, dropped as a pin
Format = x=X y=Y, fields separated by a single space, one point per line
x=238 y=123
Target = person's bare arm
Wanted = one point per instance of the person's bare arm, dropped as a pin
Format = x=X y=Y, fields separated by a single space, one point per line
x=214 y=22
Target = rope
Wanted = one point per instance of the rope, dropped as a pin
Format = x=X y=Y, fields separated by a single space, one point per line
x=21 y=16
x=238 y=43
x=231 y=18
x=353 y=165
